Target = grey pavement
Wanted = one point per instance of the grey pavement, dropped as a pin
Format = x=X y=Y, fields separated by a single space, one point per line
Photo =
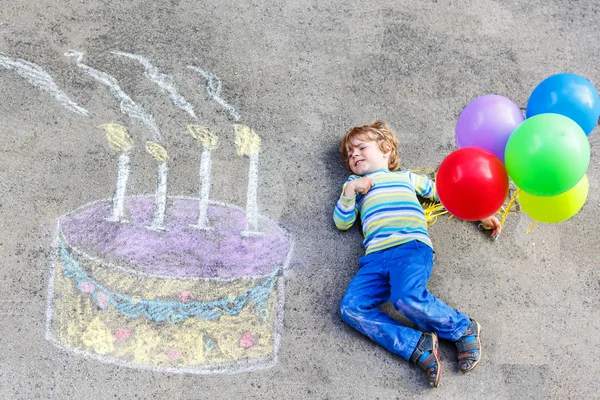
x=300 y=73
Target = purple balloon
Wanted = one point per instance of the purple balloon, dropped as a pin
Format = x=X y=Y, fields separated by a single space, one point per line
x=487 y=122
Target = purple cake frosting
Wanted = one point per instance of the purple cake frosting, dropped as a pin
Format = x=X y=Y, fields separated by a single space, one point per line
x=181 y=251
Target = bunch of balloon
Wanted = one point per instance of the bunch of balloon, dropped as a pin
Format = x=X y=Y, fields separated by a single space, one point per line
x=547 y=156
x=472 y=182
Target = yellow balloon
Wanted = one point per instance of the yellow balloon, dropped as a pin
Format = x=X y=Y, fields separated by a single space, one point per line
x=553 y=209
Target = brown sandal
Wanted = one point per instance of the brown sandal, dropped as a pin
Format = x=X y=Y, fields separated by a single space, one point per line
x=469 y=347
x=427 y=356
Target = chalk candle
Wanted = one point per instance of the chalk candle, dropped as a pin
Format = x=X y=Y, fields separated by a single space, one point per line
x=119 y=140
x=209 y=142
x=248 y=144
x=160 y=203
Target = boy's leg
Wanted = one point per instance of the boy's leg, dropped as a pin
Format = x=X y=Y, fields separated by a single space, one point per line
x=409 y=270
x=408 y=280
x=368 y=290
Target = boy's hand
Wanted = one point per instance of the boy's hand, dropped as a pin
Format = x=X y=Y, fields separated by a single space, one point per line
x=494 y=224
x=360 y=185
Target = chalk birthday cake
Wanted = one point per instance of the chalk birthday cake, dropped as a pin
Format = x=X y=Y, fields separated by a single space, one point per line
x=166 y=282
x=178 y=299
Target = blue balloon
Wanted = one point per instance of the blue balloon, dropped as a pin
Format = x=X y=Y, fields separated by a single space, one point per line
x=567 y=94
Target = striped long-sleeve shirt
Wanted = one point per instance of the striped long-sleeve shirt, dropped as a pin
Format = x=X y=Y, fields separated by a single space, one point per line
x=390 y=212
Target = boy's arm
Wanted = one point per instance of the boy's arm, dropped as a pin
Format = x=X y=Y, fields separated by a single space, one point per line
x=424 y=186
x=345 y=212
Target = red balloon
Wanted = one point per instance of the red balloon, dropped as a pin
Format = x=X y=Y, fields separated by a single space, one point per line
x=472 y=183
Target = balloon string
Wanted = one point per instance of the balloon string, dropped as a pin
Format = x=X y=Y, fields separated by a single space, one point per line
x=432 y=209
x=428 y=170
x=509 y=207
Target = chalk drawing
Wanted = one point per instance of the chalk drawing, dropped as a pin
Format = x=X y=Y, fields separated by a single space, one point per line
x=128 y=106
x=160 y=154
x=119 y=139
x=213 y=87
x=164 y=81
x=183 y=289
x=196 y=287
x=248 y=144
x=37 y=77
x=209 y=142
x=133 y=110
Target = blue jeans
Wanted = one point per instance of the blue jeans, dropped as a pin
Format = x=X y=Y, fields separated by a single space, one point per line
x=399 y=274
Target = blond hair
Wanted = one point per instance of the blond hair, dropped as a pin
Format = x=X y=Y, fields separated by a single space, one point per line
x=381 y=133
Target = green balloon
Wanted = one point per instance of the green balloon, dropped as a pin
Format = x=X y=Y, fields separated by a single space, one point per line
x=547 y=154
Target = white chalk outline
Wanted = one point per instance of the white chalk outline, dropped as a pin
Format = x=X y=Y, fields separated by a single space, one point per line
x=251 y=198
x=118 y=209
x=213 y=87
x=164 y=81
x=204 y=171
x=126 y=104
x=38 y=78
x=160 y=205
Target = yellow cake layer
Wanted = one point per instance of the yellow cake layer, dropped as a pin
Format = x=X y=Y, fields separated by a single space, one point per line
x=78 y=323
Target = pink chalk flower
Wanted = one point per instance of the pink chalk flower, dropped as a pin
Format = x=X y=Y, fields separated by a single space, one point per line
x=186 y=296
x=87 y=287
x=102 y=300
x=173 y=354
x=248 y=340
x=122 y=334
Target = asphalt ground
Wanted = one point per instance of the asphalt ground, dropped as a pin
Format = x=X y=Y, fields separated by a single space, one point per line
x=300 y=74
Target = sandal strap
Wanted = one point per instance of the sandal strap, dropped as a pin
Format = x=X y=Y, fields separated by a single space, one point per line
x=418 y=353
x=464 y=346
x=427 y=361
x=470 y=356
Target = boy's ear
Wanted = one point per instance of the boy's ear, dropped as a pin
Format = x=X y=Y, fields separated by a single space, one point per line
x=388 y=150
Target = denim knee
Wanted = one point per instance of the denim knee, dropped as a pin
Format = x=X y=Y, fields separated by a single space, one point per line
x=348 y=310
x=410 y=302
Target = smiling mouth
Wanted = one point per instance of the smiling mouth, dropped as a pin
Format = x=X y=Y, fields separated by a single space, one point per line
x=358 y=162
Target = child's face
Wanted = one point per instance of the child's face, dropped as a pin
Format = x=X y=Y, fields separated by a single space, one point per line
x=364 y=156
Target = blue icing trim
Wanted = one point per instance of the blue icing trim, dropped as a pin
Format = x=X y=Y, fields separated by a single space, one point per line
x=162 y=310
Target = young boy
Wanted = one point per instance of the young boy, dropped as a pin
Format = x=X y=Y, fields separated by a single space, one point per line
x=399 y=256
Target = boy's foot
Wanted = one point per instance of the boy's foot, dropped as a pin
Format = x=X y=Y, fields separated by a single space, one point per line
x=469 y=347
x=426 y=356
